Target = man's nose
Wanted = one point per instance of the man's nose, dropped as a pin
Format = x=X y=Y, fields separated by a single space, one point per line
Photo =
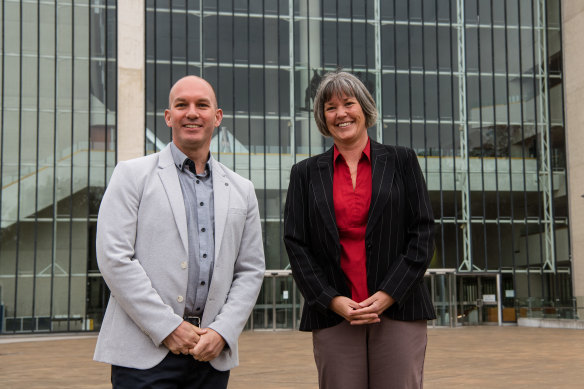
x=192 y=111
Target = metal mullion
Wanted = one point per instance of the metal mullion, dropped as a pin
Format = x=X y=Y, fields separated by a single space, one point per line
x=249 y=94
x=545 y=140
x=105 y=99
x=72 y=143
x=395 y=99
x=2 y=72
x=352 y=42
x=464 y=174
x=551 y=170
x=280 y=233
x=322 y=62
x=218 y=155
x=201 y=54
x=498 y=199
x=409 y=76
x=155 y=75
x=18 y=189
x=485 y=245
x=308 y=73
x=424 y=96
x=215 y=63
x=171 y=46
x=291 y=76
x=443 y=72
x=439 y=143
x=337 y=31
x=525 y=208
x=187 y=38
x=88 y=188
x=453 y=133
x=36 y=186
x=54 y=224
x=321 y=32
x=378 y=73
x=233 y=127
x=264 y=124
x=146 y=82
x=509 y=148
x=116 y=85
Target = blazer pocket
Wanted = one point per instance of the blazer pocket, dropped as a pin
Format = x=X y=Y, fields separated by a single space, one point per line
x=237 y=211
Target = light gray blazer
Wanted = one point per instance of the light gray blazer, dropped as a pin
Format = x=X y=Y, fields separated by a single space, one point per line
x=142 y=246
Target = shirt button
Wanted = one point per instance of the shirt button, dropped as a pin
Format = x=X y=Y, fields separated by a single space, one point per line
x=203 y=229
x=180 y=299
x=202 y=282
x=198 y=309
x=201 y=203
x=204 y=255
x=197 y=181
x=183 y=264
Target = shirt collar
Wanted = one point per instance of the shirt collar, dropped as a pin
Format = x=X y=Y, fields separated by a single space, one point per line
x=180 y=158
x=366 y=151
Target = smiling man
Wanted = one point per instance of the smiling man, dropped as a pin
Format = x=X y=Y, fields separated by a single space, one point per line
x=179 y=245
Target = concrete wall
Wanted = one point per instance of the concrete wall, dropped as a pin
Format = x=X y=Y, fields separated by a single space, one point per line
x=573 y=32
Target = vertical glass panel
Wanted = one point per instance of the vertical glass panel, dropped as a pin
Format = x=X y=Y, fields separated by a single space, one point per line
x=472 y=49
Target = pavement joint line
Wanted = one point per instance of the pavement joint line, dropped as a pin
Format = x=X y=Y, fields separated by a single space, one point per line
x=19 y=338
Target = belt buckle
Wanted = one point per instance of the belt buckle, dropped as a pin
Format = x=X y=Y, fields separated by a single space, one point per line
x=194 y=320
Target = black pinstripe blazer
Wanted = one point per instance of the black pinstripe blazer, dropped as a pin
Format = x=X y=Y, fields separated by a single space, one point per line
x=399 y=237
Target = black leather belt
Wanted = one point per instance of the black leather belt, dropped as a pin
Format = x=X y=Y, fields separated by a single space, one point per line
x=194 y=320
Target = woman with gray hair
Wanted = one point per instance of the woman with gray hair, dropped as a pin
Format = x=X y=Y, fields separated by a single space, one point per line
x=358 y=229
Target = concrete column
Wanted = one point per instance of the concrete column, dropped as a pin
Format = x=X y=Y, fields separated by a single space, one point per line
x=131 y=73
x=573 y=56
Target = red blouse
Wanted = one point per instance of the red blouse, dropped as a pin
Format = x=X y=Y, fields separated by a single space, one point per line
x=351 y=212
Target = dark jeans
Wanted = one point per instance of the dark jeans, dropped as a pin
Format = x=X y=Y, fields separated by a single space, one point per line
x=174 y=372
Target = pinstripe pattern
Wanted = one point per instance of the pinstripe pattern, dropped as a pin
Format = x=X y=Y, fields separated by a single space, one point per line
x=399 y=238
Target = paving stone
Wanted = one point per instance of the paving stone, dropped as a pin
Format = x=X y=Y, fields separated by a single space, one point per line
x=467 y=357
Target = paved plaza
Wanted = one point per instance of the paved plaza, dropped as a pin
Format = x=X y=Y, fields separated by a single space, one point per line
x=468 y=357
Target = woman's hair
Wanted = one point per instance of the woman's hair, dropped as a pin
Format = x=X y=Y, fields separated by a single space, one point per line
x=339 y=84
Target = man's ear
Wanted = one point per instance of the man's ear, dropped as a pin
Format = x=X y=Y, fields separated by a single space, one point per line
x=218 y=117
x=167 y=117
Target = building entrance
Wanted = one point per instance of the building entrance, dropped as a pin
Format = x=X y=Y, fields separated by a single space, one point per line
x=479 y=299
x=278 y=305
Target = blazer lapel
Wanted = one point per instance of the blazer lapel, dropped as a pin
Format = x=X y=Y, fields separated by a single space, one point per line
x=382 y=173
x=221 y=191
x=171 y=184
x=323 y=193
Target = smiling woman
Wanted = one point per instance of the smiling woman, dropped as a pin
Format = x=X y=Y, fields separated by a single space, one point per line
x=367 y=206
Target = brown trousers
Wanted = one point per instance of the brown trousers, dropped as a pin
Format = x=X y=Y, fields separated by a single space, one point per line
x=389 y=354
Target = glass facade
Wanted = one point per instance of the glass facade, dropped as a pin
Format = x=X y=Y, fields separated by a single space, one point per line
x=58 y=135
x=475 y=87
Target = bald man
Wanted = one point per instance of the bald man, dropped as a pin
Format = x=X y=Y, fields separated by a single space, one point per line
x=179 y=245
